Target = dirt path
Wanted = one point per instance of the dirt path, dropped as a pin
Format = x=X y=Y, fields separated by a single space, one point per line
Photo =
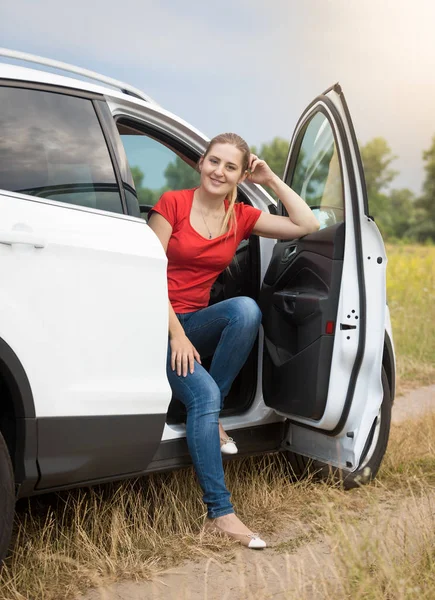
x=414 y=404
x=287 y=569
x=291 y=570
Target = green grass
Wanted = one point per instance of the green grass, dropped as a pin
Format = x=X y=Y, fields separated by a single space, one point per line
x=411 y=298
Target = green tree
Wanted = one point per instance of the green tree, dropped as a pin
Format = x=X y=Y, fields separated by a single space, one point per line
x=138 y=176
x=144 y=195
x=425 y=226
x=274 y=153
x=180 y=176
x=377 y=158
x=400 y=218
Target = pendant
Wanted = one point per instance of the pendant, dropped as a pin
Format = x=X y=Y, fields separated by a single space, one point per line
x=209 y=237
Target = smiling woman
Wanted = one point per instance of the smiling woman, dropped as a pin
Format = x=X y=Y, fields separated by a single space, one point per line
x=222 y=168
x=200 y=230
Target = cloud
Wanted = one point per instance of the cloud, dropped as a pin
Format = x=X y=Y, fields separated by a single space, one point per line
x=141 y=34
x=252 y=66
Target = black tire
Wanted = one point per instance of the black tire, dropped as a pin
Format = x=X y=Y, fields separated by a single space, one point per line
x=371 y=457
x=7 y=498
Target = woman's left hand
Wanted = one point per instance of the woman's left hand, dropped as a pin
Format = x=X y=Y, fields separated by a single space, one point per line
x=259 y=171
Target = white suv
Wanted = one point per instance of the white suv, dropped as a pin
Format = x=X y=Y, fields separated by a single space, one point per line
x=83 y=306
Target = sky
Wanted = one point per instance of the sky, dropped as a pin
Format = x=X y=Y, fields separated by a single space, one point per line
x=252 y=66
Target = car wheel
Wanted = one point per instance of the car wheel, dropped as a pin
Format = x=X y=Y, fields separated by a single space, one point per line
x=371 y=457
x=7 y=498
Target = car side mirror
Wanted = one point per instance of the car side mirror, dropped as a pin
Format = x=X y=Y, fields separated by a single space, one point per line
x=272 y=209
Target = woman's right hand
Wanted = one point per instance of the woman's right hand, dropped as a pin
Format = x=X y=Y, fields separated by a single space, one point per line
x=183 y=355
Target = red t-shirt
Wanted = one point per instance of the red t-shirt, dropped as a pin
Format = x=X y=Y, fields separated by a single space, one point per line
x=194 y=262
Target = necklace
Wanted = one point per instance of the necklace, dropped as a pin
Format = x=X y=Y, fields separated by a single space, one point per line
x=210 y=236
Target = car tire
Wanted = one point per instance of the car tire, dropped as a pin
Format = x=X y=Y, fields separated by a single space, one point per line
x=7 y=498
x=371 y=457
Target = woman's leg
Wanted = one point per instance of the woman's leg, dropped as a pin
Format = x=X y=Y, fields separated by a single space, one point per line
x=202 y=399
x=226 y=330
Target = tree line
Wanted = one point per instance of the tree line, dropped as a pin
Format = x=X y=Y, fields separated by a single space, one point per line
x=399 y=213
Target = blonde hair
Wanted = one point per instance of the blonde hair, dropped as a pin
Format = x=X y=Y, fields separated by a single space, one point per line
x=240 y=144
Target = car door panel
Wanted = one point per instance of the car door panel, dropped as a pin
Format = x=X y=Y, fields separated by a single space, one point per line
x=299 y=297
x=323 y=340
x=73 y=311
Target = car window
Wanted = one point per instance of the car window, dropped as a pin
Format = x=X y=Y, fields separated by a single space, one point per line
x=155 y=167
x=317 y=177
x=52 y=146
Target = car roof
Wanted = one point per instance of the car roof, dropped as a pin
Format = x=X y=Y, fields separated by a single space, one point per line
x=45 y=75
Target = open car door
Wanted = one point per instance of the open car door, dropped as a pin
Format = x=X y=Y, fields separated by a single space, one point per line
x=323 y=298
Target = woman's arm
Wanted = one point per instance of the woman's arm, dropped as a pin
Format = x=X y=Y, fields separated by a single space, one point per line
x=300 y=220
x=183 y=352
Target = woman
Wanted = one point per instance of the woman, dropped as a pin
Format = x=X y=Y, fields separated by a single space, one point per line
x=200 y=230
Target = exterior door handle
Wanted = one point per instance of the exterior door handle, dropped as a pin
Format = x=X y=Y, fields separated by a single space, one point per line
x=10 y=238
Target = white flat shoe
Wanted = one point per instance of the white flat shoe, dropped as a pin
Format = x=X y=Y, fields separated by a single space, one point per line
x=228 y=446
x=256 y=543
x=250 y=540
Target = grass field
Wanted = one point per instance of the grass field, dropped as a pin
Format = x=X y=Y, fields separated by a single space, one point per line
x=68 y=542
x=411 y=298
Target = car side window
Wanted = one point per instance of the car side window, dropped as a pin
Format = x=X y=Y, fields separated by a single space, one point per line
x=155 y=167
x=317 y=176
x=52 y=146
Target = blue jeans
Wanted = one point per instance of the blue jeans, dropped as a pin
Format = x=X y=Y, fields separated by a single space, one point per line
x=226 y=330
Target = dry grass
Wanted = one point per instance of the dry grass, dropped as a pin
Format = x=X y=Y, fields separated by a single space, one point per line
x=70 y=541
x=390 y=554
x=133 y=530
x=411 y=298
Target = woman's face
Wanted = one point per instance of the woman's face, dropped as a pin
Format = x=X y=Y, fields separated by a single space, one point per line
x=221 y=169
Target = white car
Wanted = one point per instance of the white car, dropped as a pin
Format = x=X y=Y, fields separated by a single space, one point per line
x=83 y=303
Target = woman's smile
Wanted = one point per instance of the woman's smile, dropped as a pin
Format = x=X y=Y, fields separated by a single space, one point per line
x=221 y=169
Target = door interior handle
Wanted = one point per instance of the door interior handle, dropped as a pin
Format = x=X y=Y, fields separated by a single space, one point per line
x=288 y=253
x=10 y=238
